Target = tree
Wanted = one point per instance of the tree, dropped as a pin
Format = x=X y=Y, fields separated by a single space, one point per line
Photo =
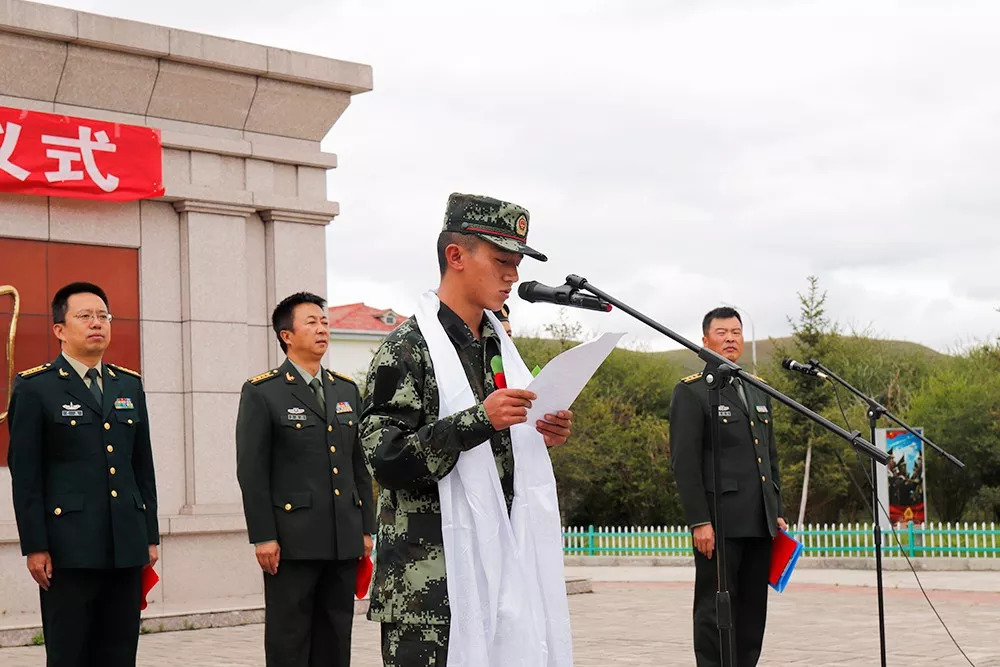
x=812 y=338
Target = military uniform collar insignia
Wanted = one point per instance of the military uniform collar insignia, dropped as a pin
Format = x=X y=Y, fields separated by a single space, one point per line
x=289 y=377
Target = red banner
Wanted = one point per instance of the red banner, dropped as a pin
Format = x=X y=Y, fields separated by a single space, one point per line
x=60 y=156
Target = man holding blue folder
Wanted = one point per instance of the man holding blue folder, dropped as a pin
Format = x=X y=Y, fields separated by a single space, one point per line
x=750 y=488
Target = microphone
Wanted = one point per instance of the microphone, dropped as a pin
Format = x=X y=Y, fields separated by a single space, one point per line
x=805 y=369
x=564 y=295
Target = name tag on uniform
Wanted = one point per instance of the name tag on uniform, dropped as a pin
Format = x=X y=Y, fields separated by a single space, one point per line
x=344 y=407
x=762 y=409
x=296 y=414
x=124 y=404
x=72 y=410
x=725 y=411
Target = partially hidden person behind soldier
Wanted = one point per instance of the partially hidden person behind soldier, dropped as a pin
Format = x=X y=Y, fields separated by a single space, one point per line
x=84 y=491
x=307 y=494
x=750 y=498
x=415 y=443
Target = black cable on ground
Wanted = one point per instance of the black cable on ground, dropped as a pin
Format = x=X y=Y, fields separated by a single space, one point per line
x=865 y=499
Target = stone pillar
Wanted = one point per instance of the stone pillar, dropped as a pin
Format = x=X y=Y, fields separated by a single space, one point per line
x=213 y=244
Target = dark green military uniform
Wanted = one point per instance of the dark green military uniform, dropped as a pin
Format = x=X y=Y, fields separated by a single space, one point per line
x=305 y=484
x=751 y=505
x=84 y=490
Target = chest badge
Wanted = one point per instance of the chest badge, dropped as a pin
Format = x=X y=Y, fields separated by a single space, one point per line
x=762 y=409
x=725 y=411
x=124 y=404
x=344 y=407
x=296 y=414
x=72 y=410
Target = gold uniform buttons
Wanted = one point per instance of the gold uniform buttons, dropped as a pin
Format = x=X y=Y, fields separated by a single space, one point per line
x=763 y=478
x=72 y=422
x=112 y=471
x=110 y=449
x=57 y=511
x=114 y=494
x=350 y=423
x=756 y=441
x=329 y=428
x=760 y=460
x=725 y=421
x=333 y=450
x=107 y=426
x=288 y=507
x=336 y=492
x=129 y=421
x=336 y=471
x=298 y=426
x=752 y=424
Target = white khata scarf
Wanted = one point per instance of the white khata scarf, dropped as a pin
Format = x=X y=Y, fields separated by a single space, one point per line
x=506 y=586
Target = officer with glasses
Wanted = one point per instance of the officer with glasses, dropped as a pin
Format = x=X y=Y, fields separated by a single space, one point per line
x=84 y=490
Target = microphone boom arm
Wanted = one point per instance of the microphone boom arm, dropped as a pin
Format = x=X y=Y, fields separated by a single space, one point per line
x=710 y=357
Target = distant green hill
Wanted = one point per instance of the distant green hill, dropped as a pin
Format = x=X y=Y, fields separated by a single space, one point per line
x=765 y=351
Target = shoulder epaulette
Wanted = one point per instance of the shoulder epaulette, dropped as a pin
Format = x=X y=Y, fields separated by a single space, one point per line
x=692 y=378
x=757 y=377
x=35 y=371
x=257 y=379
x=344 y=377
x=126 y=370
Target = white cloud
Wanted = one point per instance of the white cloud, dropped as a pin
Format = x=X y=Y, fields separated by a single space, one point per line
x=677 y=154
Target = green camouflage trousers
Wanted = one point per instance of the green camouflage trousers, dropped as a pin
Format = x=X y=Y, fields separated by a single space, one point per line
x=412 y=645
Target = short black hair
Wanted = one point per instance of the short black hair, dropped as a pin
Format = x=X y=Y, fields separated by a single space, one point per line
x=283 y=317
x=60 y=302
x=445 y=239
x=720 y=313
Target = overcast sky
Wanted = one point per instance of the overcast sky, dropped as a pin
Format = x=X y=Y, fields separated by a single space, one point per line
x=677 y=154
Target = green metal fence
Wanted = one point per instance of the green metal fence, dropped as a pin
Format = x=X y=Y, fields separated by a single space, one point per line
x=946 y=540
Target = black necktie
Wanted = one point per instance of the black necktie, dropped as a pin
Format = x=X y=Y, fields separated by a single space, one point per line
x=95 y=388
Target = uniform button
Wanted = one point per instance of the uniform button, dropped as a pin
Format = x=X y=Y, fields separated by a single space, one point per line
x=107 y=426
x=725 y=421
x=756 y=441
x=57 y=511
x=336 y=471
x=350 y=423
x=760 y=460
x=752 y=424
x=329 y=428
x=112 y=471
x=763 y=478
x=72 y=422
x=333 y=450
x=288 y=507
x=129 y=421
x=110 y=449
x=336 y=492
x=114 y=494
x=298 y=426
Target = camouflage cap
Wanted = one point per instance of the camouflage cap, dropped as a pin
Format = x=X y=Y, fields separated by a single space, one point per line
x=501 y=223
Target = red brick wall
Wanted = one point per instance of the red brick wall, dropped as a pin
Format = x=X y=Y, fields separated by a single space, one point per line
x=37 y=269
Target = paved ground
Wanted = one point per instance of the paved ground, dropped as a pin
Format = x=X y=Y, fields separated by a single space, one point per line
x=823 y=620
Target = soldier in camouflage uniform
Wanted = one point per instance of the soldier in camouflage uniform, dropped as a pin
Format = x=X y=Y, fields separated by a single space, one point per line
x=409 y=448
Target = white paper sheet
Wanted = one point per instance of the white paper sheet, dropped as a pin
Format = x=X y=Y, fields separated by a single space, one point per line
x=562 y=379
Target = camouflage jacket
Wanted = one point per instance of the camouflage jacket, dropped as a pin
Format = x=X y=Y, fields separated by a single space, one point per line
x=408 y=449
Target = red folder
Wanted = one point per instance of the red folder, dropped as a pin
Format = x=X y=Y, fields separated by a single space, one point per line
x=785 y=552
x=364 y=578
x=149 y=579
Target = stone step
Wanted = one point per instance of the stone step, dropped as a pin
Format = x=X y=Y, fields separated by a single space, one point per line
x=26 y=629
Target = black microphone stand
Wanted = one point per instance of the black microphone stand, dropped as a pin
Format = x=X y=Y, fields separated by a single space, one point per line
x=724 y=371
x=875 y=411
